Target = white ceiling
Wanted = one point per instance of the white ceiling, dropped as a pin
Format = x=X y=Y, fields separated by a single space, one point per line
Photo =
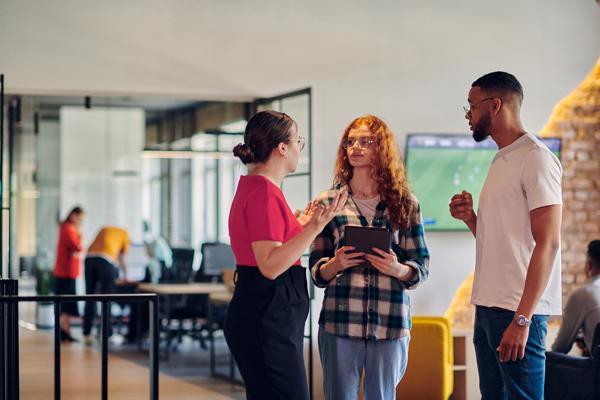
x=149 y=104
x=237 y=49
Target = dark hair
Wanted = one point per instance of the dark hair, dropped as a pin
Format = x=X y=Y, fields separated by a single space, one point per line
x=593 y=252
x=264 y=132
x=75 y=211
x=501 y=82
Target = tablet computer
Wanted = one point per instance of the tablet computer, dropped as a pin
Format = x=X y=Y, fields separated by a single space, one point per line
x=364 y=238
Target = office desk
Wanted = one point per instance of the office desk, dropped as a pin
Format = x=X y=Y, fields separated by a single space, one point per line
x=221 y=298
x=183 y=288
x=121 y=283
x=166 y=290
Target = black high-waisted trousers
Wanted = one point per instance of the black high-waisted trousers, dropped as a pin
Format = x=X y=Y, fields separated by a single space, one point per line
x=264 y=330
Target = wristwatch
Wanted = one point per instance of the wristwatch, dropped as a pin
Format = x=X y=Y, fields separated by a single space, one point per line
x=522 y=320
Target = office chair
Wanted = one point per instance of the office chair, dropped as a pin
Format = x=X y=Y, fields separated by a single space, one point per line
x=181 y=271
x=216 y=257
x=573 y=377
x=429 y=373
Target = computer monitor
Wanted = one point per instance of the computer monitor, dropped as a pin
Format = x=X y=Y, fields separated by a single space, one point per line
x=215 y=258
x=136 y=261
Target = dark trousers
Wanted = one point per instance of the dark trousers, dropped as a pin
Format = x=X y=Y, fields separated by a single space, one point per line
x=264 y=329
x=521 y=379
x=66 y=286
x=100 y=277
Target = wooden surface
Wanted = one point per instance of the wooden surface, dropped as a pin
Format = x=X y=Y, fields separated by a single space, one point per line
x=81 y=375
x=221 y=298
x=183 y=288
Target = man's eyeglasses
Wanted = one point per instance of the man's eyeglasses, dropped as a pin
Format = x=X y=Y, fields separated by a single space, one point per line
x=363 y=142
x=467 y=108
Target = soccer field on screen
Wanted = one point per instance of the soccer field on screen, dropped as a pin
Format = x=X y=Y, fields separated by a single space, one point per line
x=436 y=175
x=439 y=166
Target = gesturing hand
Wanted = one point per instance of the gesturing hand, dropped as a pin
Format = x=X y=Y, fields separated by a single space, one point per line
x=321 y=215
x=306 y=215
x=461 y=206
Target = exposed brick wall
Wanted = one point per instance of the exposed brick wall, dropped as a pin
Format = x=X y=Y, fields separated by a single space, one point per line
x=576 y=119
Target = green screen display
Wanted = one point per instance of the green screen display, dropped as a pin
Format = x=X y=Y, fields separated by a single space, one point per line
x=439 y=166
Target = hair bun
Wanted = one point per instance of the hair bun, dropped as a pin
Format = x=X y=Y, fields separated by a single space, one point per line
x=244 y=153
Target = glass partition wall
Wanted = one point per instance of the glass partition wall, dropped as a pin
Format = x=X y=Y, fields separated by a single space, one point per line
x=204 y=173
x=126 y=161
x=297 y=188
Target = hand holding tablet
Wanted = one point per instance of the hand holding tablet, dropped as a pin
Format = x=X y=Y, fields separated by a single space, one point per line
x=376 y=244
x=363 y=239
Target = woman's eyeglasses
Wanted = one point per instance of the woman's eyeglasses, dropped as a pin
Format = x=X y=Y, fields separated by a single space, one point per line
x=301 y=142
x=363 y=142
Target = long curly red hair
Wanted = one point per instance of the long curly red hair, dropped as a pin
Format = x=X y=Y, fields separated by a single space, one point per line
x=388 y=170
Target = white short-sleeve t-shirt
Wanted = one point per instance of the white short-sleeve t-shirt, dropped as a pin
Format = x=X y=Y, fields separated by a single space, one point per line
x=524 y=175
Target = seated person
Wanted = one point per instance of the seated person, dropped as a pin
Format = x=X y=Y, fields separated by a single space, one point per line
x=160 y=257
x=582 y=311
x=159 y=252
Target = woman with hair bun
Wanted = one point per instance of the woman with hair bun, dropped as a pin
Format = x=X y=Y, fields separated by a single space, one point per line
x=364 y=327
x=265 y=321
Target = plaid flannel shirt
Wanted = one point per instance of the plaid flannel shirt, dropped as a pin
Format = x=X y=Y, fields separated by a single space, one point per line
x=362 y=302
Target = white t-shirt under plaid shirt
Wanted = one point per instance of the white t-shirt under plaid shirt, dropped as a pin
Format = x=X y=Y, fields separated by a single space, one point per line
x=524 y=175
x=361 y=302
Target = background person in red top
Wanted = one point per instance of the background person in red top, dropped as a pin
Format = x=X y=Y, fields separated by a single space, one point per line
x=265 y=321
x=67 y=267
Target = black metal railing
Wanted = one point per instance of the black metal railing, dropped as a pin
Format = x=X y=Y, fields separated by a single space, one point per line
x=9 y=336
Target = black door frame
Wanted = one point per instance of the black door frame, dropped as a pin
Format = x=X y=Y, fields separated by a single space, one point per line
x=253 y=110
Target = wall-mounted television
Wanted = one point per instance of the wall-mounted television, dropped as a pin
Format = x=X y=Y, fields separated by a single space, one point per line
x=440 y=165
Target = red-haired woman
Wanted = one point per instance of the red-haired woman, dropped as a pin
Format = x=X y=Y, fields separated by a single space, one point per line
x=67 y=267
x=365 y=321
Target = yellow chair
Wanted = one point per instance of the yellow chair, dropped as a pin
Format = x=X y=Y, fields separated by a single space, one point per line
x=429 y=374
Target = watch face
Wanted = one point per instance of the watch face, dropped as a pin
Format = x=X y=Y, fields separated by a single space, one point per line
x=522 y=320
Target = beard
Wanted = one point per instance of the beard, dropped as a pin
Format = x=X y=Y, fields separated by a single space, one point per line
x=482 y=130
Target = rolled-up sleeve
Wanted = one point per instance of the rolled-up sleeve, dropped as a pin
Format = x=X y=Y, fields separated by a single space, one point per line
x=321 y=251
x=414 y=253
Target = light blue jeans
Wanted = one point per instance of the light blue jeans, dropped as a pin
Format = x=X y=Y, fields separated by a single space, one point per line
x=343 y=360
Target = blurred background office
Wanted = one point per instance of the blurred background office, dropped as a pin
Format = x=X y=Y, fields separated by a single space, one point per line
x=131 y=109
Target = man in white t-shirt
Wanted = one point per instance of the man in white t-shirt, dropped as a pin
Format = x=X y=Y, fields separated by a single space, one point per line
x=517 y=229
